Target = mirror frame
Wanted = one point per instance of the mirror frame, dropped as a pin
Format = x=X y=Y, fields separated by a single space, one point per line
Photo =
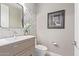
x=22 y=14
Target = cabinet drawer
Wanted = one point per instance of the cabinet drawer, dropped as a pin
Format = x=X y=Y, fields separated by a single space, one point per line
x=27 y=52
x=16 y=47
x=19 y=46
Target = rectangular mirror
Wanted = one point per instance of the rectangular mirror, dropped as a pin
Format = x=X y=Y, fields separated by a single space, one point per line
x=11 y=15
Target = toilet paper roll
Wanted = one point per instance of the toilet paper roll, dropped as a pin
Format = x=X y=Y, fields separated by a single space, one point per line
x=77 y=45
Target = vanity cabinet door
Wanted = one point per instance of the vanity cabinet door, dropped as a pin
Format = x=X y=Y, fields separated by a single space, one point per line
x=20 y=46
x=6 y=50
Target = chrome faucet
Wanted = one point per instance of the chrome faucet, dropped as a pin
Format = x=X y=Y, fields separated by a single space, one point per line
x=14 y=34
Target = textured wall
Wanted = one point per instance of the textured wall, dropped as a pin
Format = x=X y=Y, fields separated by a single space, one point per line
x=30 y=16
x=5 y=32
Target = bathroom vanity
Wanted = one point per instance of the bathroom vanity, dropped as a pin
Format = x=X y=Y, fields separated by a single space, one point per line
x=12 y=17
x=17 y=46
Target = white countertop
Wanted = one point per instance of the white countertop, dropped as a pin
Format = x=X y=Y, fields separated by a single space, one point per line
x=10 y=40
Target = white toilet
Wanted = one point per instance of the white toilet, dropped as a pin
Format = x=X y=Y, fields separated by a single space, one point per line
x=40 y=50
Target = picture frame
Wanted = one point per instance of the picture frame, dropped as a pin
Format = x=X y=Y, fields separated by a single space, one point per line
x=56 y=20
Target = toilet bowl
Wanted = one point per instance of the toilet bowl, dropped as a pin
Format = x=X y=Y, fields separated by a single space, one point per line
x=40 y=50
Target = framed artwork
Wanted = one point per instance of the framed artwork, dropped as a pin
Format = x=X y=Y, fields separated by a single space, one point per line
x=56 y=20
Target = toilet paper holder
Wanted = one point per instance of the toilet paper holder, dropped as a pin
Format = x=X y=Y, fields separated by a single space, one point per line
x=55 y=44
x=74 y=43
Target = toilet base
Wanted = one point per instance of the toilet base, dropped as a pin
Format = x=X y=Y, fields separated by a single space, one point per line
x=40 y=50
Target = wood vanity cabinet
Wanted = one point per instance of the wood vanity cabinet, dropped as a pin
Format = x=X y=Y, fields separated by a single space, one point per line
x=21 y=48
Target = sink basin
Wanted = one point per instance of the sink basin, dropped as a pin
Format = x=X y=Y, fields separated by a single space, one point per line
x=2 y=41
x=6 y=41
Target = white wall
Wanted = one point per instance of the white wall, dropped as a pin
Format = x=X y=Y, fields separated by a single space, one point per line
x=63 y=37
x=76 y=49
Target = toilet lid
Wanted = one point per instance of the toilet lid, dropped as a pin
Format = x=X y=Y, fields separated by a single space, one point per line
x=41 y=47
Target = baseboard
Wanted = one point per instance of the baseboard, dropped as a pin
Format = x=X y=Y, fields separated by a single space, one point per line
x=48 y=53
